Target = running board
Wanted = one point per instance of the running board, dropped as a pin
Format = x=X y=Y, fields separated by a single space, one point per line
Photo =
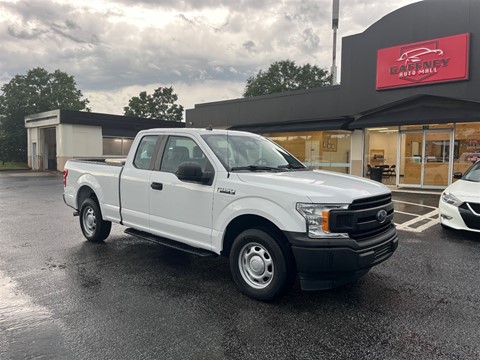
x=170 y=243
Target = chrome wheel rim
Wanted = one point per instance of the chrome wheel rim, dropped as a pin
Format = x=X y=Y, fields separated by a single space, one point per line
x=256 y=265
x=89 y=221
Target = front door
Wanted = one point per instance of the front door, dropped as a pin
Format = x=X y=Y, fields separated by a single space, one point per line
x=181 y=210
x=425 y=158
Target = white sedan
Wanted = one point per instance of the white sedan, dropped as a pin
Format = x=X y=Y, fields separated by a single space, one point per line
x=459 y=205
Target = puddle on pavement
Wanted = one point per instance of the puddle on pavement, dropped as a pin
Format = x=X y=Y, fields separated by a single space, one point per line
x=28 y=330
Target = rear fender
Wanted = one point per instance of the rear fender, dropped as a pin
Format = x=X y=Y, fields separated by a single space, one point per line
x=85 y=182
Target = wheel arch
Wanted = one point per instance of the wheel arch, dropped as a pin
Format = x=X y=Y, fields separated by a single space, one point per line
x=249 y=221
x=85 y=192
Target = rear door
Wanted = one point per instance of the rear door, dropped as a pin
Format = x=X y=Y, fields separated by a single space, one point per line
x=182 y=210
x=135 y=184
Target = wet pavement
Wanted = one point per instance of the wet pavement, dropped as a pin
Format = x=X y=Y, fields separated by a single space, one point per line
x=62 y=297
x=415 y=211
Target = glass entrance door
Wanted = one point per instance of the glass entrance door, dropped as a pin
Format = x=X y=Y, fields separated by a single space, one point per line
x=425 y=158
x=436 y=158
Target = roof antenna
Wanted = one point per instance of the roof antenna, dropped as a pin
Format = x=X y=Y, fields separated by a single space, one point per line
x=209 y=127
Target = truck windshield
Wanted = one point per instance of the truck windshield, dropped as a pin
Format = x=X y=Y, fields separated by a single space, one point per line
x=250 y=153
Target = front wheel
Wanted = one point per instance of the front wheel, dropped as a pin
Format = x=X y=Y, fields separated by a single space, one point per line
x=94 y=228
x=260 y=267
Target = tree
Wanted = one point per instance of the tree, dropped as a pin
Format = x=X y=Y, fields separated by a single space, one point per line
x=286 y=76
x=160 y=105
x=35 y=92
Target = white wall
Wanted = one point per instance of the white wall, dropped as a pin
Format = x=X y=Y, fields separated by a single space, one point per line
x=33 y=136
x=356 y=153
x=78 y=141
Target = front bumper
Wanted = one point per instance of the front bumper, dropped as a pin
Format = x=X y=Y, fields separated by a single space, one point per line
x=459 y=218
x=324 y=264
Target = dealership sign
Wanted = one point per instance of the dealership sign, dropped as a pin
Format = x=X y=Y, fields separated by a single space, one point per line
x=426 y=62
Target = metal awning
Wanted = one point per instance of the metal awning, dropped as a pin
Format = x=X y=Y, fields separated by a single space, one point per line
x=418 y=110
x=297 y=126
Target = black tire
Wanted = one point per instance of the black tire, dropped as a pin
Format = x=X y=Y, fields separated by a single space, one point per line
x=94 y=228
x=262 y=268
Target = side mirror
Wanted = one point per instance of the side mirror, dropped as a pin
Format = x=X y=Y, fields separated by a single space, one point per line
x=457 y=175
x=191 y=171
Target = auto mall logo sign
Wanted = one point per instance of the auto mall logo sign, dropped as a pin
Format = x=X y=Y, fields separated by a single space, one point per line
x=426 y=62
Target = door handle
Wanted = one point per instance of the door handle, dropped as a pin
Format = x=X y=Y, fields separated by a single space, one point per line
x=156 y=186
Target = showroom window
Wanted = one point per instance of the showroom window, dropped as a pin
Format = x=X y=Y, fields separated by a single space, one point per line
x=113 y=146
x=327 y=150
x=467 y=145
x=381 y=151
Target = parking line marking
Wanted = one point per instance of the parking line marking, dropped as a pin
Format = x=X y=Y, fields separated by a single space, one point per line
x=406 y=213
x=428 y=216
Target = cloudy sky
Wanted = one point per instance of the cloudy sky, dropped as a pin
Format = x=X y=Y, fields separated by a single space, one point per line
x=205 y=49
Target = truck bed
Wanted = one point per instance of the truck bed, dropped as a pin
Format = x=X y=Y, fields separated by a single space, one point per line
x=102 y=176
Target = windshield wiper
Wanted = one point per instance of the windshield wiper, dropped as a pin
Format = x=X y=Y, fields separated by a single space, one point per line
x=255 y=168
x=292 y=166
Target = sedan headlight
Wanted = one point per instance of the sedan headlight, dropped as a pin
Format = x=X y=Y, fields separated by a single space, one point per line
x=317 y=217
x=451 y=199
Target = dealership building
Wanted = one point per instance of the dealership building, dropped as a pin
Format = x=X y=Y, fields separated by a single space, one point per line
x=408 y=102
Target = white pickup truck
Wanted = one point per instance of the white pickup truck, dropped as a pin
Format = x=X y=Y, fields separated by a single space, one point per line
x=236 y=194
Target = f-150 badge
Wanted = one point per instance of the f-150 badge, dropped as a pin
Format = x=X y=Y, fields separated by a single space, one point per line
x=226 y=191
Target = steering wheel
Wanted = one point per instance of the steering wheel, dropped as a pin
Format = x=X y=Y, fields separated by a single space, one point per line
x=261 y=162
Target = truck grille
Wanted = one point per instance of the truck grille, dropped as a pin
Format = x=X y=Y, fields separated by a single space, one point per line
x=364 y=218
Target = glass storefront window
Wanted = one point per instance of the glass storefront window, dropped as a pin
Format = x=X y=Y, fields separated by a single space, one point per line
x=116 y=146
x=467 y=145
x=381 y=150
x=327 y=150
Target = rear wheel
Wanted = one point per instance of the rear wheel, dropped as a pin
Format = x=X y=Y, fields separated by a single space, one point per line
x=94 y=228
x=260 y=267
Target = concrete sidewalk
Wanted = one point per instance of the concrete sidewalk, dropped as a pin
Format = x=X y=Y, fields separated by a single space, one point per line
x=28 y=173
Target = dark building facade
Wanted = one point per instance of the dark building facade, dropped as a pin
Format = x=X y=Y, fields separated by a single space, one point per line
x=409 y=100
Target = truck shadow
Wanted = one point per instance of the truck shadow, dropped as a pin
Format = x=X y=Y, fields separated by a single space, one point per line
x=152 y=269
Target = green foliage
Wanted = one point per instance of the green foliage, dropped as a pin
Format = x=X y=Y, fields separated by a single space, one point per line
x=13 y=166
x=35 y=92
x=286 y=76
x=159 y=105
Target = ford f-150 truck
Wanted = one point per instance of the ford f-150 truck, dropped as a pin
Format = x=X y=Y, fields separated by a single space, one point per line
x=240 y=195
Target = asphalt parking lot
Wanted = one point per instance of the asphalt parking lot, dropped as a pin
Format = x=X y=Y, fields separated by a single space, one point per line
x=62 y=297
x=415 y=211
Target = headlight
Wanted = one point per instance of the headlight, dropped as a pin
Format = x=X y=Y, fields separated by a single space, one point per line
x=451 y=199
x=317 y=218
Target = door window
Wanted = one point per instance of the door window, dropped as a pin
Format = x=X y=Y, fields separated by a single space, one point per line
x=179 y=150
x=145 y=152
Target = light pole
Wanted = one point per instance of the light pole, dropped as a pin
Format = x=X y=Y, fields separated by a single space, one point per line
x=336 y=5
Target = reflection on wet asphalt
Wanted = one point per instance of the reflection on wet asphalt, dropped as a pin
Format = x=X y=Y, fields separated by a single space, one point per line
x=26 y=328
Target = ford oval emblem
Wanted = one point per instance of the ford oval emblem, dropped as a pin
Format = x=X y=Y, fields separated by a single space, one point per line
x=382 y=216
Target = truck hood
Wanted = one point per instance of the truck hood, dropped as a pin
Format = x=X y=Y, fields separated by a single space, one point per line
x=318 y=186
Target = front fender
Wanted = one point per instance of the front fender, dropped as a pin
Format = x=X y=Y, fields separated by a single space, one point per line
x=286 y=219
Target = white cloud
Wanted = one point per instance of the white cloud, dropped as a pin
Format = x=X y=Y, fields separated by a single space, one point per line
x=205 y=49
x=189 y=94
